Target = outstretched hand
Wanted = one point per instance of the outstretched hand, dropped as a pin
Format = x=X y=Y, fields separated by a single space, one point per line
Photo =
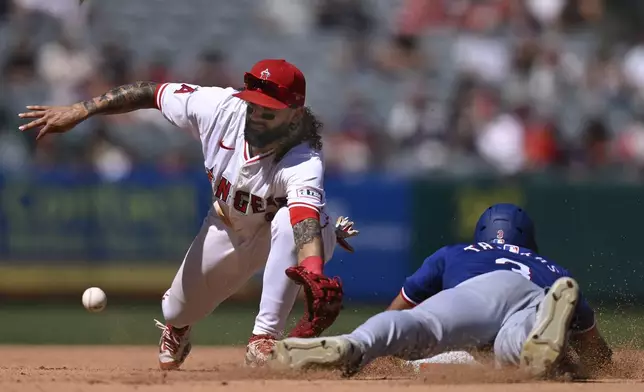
x=343 y=231
x=53 y=119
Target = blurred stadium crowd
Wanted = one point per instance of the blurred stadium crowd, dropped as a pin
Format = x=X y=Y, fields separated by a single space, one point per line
x=411 y=87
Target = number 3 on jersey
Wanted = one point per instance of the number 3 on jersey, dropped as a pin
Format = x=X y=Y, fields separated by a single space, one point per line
x=523 y=269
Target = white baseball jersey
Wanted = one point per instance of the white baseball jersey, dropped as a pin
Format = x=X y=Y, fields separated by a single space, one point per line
x=248 y=189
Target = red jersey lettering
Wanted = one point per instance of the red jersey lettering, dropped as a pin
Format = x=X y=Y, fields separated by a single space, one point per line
x=257 y=204
x=223 y=189
x=241 y=201
x=278 y=202
x=184 y=89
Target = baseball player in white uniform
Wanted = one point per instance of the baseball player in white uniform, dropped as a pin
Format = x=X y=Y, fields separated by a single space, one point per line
x=262 y=152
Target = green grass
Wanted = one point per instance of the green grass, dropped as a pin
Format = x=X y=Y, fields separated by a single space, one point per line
x=132 y=323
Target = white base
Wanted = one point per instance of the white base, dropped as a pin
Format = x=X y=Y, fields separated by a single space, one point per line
x=449 y=357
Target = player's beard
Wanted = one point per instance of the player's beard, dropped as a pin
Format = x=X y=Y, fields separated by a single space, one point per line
x=262 y=138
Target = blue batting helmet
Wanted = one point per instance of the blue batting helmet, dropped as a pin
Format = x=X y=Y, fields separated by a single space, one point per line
x=506 y=223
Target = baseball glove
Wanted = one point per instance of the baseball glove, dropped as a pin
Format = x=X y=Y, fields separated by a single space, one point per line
x=323 y=300
x=344 y=230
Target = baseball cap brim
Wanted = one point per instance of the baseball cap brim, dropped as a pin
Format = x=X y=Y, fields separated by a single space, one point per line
x=259 y=98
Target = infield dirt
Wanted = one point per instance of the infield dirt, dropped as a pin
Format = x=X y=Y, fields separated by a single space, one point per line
x=133 y=368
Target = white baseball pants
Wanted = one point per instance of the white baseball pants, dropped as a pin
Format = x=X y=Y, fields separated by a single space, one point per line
x=220 y=261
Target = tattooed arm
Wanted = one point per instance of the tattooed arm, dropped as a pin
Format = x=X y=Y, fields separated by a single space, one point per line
x=60 y=119
x=302 y=174
x=123 y=99
x=308 y=239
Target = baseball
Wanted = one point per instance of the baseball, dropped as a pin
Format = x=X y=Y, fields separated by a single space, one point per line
x=94 y=299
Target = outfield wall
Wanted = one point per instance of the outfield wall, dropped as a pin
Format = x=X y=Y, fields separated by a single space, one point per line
x=61 y=232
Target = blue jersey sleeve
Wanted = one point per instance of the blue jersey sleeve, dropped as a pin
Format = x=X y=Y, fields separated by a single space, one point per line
x=584 y=317
x=565 y=272
x=427 y=280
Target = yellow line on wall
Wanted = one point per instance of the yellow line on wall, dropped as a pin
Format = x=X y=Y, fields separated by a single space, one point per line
x=34 y=279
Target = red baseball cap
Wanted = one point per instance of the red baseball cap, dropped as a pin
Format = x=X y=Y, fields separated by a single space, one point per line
x=275 y=84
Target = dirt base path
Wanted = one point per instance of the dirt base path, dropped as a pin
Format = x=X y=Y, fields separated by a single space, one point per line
x=212 y=369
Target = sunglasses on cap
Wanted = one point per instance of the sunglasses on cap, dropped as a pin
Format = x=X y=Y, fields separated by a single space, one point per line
x=272 y=89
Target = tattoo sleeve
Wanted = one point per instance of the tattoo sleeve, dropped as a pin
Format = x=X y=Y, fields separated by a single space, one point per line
x=306 y=232
x=123 y=99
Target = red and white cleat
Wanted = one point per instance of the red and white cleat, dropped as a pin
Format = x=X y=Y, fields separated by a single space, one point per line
x=259 y=350
x=174 y=346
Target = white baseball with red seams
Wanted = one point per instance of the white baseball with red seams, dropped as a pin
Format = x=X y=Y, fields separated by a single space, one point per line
x=94 y=299
x=229 y=250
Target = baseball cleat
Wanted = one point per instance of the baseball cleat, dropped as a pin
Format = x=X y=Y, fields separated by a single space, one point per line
x=259 y=350
x=331 y=352
x=547 y=342
x=174 y=346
